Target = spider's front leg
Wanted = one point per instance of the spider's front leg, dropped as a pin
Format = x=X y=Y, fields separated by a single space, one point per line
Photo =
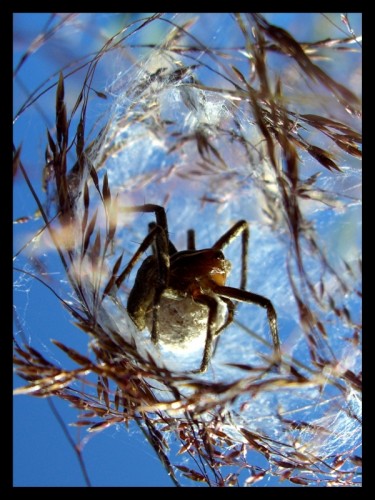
x=240 y=228
x=158 y=237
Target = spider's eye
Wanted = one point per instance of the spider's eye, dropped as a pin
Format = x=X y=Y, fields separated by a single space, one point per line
x=219 y=255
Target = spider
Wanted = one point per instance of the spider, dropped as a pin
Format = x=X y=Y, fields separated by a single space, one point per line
x=179 y=294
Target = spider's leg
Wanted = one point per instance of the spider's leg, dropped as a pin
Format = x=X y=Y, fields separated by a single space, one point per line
x=244 y=296
x=191 y=239
x=150 y=238
x=159 y=238
x=211 y=303
x=241 y=227
x=155 y=315
x=160 y=215
x=158 y=233
x=230 y=316
x=228 y=321
x=161 y=248
x=171 y=248
x=164 y=266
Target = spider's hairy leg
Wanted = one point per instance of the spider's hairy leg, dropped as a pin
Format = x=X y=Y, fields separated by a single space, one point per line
x=159 y=234
x=155 y=332
x=160 y=215
x=162 y=238
x=211 y=303
x=249 y=297
x=230 y=316
x=150 y=238
x=228 y=321
x=171 y=248
x=191 y=239
x=241 y=227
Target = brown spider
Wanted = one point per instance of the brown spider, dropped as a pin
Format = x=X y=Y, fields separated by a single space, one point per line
x=177 y=294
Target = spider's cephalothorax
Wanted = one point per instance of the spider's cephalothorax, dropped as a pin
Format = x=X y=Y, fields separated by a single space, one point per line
x=179 y=296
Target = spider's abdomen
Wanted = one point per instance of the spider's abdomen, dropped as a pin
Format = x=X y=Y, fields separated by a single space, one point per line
x=182 y=320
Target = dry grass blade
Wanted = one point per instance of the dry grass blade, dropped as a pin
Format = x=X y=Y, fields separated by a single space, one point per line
x=86 y=203
x=74 y=355
x=61 y=119
x=42 y=39
x=106 y=191
x=323 y=157
x=113 y=277
x=291 y=47
x=112 y=215
x=80 y=147
x=88 y=233
x=16 y=158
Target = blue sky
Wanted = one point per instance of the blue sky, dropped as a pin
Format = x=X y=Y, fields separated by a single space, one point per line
x=43 y=456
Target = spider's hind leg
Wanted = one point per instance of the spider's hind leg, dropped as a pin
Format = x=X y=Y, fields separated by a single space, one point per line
x=211 y=303
x=230 y=317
